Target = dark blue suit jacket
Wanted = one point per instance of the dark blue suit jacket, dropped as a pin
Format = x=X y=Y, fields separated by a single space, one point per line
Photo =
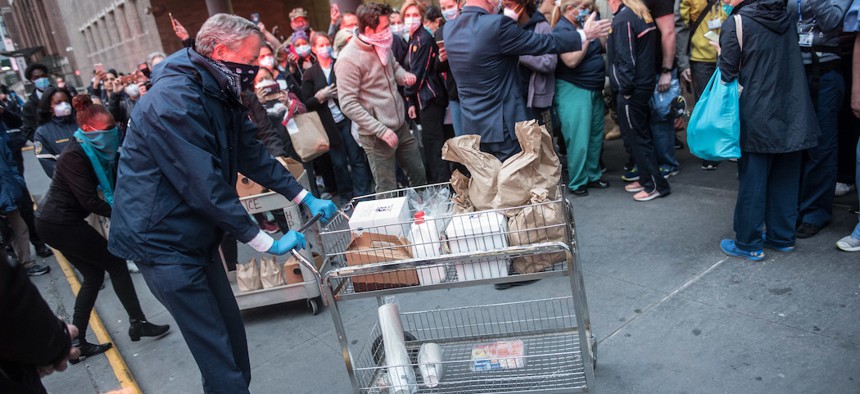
x=483 y=52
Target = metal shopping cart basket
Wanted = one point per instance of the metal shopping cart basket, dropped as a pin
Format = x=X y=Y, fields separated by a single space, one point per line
x=559 y=352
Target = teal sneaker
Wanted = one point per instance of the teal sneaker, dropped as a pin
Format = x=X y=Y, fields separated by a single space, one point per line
x=729 y=248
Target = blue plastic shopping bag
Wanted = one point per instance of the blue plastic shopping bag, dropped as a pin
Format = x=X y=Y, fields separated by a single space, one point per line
x=714 y=130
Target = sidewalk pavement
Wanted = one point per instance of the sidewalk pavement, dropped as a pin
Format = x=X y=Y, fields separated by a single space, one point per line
x=671 y=313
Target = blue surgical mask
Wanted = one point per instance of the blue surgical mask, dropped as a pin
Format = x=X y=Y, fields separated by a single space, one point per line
x=582 y=17
x=42 y=83
x=303 y=50
x=398 y=29
x=728 y=8
x=451 y=13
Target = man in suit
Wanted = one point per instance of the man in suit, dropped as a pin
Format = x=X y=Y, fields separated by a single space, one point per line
x=483 y=51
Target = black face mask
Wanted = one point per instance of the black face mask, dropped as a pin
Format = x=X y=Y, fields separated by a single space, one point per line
x=245 y=73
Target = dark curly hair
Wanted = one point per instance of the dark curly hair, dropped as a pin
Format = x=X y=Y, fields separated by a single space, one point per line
x=45 y=110
x=28 y=73
x=368 y=15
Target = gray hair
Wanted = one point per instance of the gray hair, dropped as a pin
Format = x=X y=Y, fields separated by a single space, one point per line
x=153 y=55
x=224 y=29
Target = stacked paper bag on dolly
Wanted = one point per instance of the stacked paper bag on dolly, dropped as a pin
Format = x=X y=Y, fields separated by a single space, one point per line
x=521 y=188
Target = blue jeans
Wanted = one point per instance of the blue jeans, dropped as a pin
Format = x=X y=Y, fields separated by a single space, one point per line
x=201 y=301
x=819 y=163
x=767 y=197
x=663 y=133
x=456 y=117
x=362 y=179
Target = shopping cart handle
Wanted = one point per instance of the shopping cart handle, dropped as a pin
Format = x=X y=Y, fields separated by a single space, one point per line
x=303 y=261
x=311 y=222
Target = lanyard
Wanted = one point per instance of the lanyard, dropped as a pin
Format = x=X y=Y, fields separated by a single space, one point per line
x=800 y=15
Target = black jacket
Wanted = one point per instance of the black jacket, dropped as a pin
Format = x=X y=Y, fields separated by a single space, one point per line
x=73 y=194
x=30 y=116
x=30 y=333
x=313 y=81
x=631 y=50
x=444 y=67
x=776 y=109
x=268 y=133
x=120 y=106
x=421 y=61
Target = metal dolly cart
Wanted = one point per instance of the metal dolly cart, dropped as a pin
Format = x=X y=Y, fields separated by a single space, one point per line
x=309 y=288
x=560 y=352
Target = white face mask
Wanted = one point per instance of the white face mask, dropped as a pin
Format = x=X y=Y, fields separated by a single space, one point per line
x=62 y=109
x=132 y=91
x=267 y=62
x=411 y=22
x=511 y=14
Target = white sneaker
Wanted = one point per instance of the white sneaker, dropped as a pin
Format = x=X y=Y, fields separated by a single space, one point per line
x=842 y=189
x=132 y=267
x=849 y=244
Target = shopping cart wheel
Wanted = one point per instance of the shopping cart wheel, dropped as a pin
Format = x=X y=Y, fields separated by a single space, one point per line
x=314 y=306
x=378 y=349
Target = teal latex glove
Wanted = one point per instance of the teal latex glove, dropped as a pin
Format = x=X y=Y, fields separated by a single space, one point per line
x=316 y=205
x=291 y=240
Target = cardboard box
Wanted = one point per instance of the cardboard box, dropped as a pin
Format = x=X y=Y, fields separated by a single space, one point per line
x=388 y=216
x=369 y=248
x=293 y=272
x=246 y=187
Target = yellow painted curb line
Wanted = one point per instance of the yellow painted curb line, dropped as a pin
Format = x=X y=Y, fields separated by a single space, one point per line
x=120 y=369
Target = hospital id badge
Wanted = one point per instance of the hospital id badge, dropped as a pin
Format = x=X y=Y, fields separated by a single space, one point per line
x=715 y=24
x=805 y=40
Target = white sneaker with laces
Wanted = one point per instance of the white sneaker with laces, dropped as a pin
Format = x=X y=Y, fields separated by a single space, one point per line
x=842 y=189
x=849 y=244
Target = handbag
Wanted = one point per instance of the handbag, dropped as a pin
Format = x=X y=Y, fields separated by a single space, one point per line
x=714 y=130
x=308 y=135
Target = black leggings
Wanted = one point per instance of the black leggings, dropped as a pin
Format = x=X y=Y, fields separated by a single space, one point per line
x=88 y=252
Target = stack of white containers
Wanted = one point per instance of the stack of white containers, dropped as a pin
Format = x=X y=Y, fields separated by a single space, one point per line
x=479 y=232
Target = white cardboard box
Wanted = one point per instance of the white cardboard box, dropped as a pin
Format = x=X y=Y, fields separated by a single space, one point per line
x=382 y=216
x=476 y=232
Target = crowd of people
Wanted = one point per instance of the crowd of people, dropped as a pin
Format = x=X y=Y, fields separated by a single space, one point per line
x=390 y=87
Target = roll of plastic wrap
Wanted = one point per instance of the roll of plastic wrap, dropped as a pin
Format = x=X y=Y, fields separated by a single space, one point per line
x=400 y=373
x=430 y=364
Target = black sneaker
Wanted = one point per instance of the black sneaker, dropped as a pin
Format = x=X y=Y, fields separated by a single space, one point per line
x=582 y=191
x=678 y=143
x=37 y=269
x=806 y=230
x=598 y=184
x=44 y=251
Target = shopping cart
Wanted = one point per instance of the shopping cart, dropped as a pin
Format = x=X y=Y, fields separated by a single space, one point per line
x=560 y=354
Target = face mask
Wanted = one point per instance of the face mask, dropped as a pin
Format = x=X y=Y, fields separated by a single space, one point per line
x=303 y=50
x=267 y=62
x=62 y=109
x=324 y=52
x=398 y=29
x=381 y=43
x=728 y=8
x=244 y=72
x=582 y=17
x=411 y=23
x=42 y=83
x=450 y=14
x=132 y=91
x=511 y=14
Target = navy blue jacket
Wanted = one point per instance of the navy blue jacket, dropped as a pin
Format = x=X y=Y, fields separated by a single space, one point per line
x=50 y=140
x=483 y=53
x=186 y=140
x=12 y=186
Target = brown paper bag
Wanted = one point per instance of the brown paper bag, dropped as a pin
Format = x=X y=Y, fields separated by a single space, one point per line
x=308 y=136
x=460 y=184
x=466 y=150
x=270 y=272
x=369 y=248
x=248 y=276
x=536 y=167
x=537 y=224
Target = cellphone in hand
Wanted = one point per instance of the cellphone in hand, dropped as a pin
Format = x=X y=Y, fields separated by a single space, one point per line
x=255 y=17
x=100 y=68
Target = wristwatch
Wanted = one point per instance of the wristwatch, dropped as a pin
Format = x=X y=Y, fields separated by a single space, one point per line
x=665 y=70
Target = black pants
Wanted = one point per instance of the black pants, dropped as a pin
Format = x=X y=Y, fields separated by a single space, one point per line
x=88 y=252
x=635 y=130
x=25 y=207
x=433 y=137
